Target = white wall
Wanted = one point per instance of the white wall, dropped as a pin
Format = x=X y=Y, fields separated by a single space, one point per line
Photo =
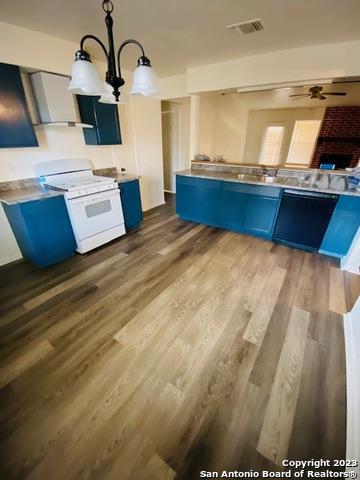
x=352 y=344
x=351 y=262
x=140 y=152
x=306 y=63
x=173 y=87
x=148 y=149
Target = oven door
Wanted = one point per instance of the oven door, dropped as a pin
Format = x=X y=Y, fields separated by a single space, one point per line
x=95 y=213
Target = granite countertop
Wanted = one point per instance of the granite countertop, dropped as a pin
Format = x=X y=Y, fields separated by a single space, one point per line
x=32 y=190
x=282 y=182
x=126 y=177
x=22 y=195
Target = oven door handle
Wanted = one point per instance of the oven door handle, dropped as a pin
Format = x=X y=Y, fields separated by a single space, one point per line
x=92 y=198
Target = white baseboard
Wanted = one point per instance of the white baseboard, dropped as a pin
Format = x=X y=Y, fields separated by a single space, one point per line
x=10 y=258
x=352 y=342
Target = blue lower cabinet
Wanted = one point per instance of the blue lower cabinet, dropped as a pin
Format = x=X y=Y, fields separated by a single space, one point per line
x=342 y=228
x=232 y=208
x=260 y=216
x=239 y=207
x=131 y=203
x=198 y=200
x=42 y=229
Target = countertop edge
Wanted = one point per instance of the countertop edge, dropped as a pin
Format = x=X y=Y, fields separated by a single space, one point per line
x=222 y=176
x=38 y=192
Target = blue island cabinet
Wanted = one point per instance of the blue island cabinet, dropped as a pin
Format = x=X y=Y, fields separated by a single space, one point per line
x=42 y=229
x=197 y=200
x=342 y=228
x=131 y=203
x=239 y=207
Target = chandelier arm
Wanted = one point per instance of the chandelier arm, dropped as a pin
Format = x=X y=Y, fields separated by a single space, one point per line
x=127 y=42
x=92 y=37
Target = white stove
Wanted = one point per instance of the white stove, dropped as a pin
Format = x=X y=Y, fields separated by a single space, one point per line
x=78 y=184
x=93 y=202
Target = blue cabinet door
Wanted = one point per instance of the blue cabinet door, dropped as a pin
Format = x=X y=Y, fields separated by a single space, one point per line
x=104 y=118
x=16 y=129
x=232 y=207
x=42 y=229
x=343 y=226
x=131 y=203
x=198 y=200
x=260 y=215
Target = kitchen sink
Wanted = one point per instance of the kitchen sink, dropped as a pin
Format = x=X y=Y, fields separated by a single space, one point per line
x=257 y=178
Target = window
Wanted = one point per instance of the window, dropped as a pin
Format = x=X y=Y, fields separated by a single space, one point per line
x=98 y=208
x=303 y=141
x=271 y=146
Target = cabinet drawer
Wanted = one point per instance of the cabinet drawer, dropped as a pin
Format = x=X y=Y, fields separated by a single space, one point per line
x=198 y=182
x=263 y=191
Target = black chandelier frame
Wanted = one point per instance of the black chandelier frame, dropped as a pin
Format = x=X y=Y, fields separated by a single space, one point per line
x=113 y=75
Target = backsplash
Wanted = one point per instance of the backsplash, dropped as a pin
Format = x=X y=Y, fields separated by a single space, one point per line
x=280 y=172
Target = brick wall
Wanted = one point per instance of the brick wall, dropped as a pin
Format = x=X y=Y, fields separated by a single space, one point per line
x=339 y=122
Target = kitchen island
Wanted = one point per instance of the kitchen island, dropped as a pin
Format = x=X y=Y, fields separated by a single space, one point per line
x=251 y=204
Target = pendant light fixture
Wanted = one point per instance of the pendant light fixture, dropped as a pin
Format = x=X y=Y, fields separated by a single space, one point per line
x=85 y=79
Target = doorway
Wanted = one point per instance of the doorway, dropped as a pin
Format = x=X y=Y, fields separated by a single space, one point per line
x=175 y=121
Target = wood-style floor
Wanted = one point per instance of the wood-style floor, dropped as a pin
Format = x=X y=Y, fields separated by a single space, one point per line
x=175 y=349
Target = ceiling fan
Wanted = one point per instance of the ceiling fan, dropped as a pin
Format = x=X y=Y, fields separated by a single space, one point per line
x=317 y=93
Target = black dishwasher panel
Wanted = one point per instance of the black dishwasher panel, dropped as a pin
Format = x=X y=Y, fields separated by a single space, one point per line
x=303 y=218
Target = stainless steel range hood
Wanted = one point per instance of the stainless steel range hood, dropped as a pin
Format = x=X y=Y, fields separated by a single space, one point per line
x=56 y=106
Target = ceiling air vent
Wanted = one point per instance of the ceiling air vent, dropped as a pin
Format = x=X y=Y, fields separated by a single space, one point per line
x=250 y=26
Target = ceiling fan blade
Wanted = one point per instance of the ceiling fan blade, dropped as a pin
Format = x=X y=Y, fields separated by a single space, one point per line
x=300 y=95
x=341 y=94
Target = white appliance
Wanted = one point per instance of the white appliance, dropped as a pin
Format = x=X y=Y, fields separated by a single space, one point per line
x=93 y=202
x=56 y=106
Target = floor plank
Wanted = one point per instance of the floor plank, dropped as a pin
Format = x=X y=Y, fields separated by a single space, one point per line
x=280 y=412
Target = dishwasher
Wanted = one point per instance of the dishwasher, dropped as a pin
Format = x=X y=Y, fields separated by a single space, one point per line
x=303 y=218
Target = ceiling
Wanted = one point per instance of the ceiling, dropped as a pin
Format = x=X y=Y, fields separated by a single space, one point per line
x=180 y=33
x=279 y=97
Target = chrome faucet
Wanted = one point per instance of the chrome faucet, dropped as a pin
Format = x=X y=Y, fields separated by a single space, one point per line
x=266 y=171
x=263 y=170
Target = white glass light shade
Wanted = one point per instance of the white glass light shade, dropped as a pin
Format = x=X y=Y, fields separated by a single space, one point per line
x=145 y=82
x=110 y=98
x=85 y=79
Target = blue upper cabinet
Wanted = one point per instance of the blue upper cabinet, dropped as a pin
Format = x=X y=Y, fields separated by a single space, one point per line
x=131 y=203
x=16 y=129
x=104 y=118
x=343 y=226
